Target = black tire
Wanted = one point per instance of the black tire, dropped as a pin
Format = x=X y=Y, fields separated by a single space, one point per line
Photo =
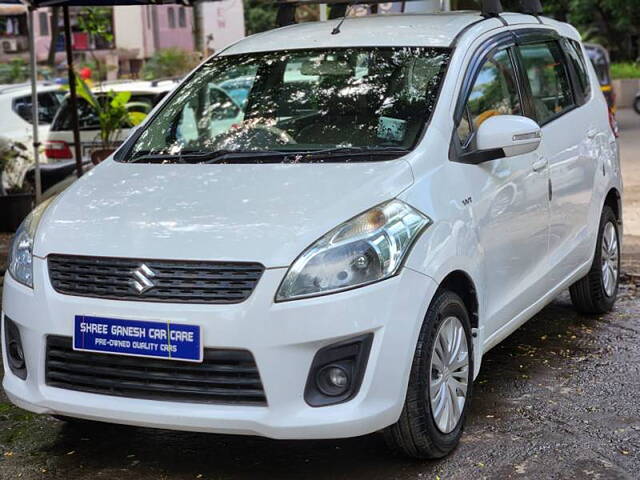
x=636 y=105
x=588 y=294
x=416 y=434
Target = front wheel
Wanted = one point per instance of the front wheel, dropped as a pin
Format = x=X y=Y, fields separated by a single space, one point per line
x=597 y=291
x=440 y=384
x=636 y=105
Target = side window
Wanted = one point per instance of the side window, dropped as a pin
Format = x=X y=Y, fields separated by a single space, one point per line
x=548 y=78
x=574 y=53
x=495 y=92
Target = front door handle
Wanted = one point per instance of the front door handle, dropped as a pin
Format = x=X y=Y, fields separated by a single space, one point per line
x=591 y=134
x=539 y=165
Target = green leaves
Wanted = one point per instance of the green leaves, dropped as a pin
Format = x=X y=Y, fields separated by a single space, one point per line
x=96 y=21
x=112 y=109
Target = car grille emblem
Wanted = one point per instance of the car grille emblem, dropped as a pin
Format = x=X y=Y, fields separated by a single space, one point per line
x=142 y=279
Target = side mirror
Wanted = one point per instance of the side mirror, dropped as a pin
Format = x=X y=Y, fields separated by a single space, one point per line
x=504 y=136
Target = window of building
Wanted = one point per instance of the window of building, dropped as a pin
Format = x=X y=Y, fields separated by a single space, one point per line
x=548 y=79
x=172 y=17
x=182 y=17
x=43 y=18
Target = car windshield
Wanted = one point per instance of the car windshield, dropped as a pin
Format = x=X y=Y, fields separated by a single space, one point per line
x=332 y=102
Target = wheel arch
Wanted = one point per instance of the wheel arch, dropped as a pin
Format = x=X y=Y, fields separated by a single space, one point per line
x=460 y=283
x=614 y=201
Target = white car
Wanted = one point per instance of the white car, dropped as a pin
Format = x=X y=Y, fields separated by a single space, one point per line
x=15 y=122
x=339 y=261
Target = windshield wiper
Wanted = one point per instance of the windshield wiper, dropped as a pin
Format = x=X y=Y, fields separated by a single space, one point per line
x=339 y=152
x=198 y=156
x=267 y=156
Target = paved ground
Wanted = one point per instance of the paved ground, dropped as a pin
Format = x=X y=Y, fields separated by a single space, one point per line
x=558 y=399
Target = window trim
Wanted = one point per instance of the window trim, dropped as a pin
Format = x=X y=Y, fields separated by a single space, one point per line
x=582 y=96
x=500 y=41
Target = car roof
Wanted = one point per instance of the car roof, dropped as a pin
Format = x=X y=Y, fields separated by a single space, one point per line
x=390 y=30
x=18 y=90
x=136 y=86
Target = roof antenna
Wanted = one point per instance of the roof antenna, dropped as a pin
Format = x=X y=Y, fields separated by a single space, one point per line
x=339 y=10
x=531 y=7
x=491 y=8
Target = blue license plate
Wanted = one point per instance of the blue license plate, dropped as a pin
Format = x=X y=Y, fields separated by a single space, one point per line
x=138 y=338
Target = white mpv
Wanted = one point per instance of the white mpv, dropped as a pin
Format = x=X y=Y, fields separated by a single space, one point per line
x=397 y=198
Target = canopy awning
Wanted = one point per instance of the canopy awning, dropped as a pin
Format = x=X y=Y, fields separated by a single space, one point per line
x=12 y=9
x=81 y=3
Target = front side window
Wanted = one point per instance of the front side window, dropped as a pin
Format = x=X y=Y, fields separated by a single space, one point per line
x=548 y=78
x=495 y=92
x=299 y=101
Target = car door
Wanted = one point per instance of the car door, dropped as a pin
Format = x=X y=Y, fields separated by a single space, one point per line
x=569 y=134
x=512 y=211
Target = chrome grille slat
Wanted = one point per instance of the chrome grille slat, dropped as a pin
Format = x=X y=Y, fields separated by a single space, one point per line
x=175 y=281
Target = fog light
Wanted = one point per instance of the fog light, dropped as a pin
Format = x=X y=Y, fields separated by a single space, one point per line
x=13 y=349
x=333 y=380
x=16 y=355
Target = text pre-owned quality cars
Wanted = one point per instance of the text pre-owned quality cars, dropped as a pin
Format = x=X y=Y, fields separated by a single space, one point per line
x=393 y=200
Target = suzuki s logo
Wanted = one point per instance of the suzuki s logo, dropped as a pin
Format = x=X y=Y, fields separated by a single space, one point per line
x=142 y=279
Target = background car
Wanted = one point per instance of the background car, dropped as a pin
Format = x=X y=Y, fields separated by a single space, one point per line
x=601 y=61
x=16 y=125
x=59 y=143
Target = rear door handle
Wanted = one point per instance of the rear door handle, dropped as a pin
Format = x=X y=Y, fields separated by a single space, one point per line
x=592 y=133
x=539 y=165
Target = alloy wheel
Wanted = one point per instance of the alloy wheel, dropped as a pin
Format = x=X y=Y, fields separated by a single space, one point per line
x=610 y=259
x=449 y=374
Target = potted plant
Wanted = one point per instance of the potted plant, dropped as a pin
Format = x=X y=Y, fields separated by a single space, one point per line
x=15 y=202
x=113 y=114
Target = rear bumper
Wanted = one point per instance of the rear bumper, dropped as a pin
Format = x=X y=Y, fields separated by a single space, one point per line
x=283 y=338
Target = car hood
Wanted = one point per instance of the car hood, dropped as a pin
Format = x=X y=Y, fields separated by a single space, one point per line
x=267 y=213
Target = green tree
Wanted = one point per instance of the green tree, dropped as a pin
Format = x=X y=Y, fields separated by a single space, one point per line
x=169 y=62
x=259 y=16
x=97 y=22
x=614 y=23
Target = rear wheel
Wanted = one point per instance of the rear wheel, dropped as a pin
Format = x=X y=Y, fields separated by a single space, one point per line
x=636 y=105
x=596 y=293
x=440 y=384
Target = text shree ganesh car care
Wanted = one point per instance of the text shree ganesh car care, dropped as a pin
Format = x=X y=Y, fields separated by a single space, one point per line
x=398 y=198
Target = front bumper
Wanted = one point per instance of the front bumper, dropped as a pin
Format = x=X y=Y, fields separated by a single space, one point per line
x=283 y=337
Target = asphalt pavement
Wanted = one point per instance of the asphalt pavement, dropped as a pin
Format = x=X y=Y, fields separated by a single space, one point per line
x=559 y=399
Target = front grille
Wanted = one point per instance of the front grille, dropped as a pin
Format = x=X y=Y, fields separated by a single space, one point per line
x=224 y=377
x=161 y=281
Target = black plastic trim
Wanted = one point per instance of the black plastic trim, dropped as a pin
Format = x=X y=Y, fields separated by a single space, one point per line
x=352 y=355
x=477 y=157
x=225 y=376
x=11 y=335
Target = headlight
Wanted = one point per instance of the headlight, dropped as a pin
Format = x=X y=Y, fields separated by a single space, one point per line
x=21 y=250
x=363 y=250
